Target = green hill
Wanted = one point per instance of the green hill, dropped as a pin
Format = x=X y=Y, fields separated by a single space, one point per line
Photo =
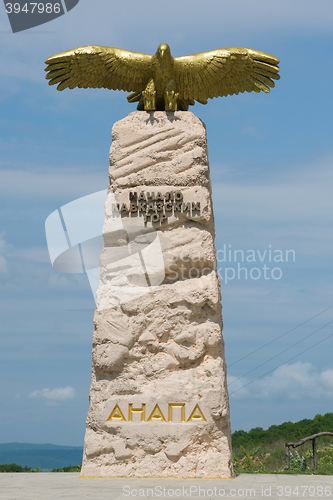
x=287 y=431
x=264 y=451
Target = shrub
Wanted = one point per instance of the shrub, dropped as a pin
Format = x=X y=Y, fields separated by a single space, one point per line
x=70 y=468
x=297 y=462
x=14 y=468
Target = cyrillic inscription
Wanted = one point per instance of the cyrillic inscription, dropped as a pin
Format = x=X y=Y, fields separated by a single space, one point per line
x=156 y=414
x=156 y=207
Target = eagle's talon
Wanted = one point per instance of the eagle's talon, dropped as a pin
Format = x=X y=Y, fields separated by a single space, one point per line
x=171 y=97
x=171 y=100
x=149 y=96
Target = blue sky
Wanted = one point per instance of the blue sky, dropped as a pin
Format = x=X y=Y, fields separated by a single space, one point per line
x=272 y=176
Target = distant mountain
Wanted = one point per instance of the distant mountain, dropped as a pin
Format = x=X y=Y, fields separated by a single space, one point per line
x=44 y=456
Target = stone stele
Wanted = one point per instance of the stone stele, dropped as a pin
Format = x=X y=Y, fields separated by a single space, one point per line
x=158 y=398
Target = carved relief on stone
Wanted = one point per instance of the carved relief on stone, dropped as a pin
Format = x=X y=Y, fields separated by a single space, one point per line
x=158 y=398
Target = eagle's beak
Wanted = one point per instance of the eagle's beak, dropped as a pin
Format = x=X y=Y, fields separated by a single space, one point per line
x=163 y=48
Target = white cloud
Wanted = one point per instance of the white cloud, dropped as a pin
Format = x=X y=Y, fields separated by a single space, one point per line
x=293 y=210
x=327 y=378
x=51 y=183
x=3 y=265
x=58 y=394
x=35 y=254
x=295 y=381
x=3 y=245
x=4 y=249
x=302 y=191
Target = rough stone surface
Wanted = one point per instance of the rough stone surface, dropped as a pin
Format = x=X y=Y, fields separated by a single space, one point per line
x=158 y=321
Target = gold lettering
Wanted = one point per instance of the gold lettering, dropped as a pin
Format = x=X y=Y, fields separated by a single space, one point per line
x=182 y=411
x=123 y=208
x=196 y=415
x=132 y=410
x=133 y=207
x=142 y=196
x=156 y=414
x=178 y=196
x=116 y=414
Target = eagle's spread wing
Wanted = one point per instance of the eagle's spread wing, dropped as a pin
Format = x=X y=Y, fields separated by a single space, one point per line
x=96 y=67
x=224 y=72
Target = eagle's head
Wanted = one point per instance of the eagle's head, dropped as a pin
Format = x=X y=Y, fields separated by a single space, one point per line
x=163 y=50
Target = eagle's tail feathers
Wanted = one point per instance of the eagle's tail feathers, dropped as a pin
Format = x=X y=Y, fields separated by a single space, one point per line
x=134 y=97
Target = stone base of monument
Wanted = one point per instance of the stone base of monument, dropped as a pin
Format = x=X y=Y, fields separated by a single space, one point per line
x=158 y=399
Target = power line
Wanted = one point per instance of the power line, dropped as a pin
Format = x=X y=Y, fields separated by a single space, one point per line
x=276 y=355
x=280 y=336
x=290 y=359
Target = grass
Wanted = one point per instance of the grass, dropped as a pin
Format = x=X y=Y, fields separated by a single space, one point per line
x=270 y=459
x=263 y=451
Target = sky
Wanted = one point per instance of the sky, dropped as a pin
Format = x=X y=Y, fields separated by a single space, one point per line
x=271 y=159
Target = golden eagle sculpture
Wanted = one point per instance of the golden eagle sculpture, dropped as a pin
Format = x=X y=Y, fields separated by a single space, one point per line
x=160 y=81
